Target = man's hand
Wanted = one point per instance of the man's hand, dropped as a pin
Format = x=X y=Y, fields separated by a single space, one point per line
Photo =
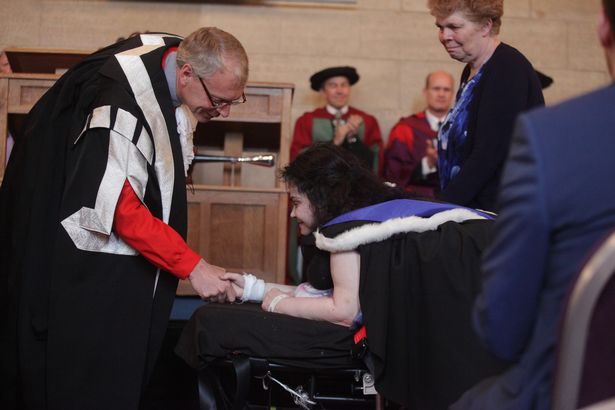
x=432 y=156
x=351 y=128
x=206 y=280
x=237 y=281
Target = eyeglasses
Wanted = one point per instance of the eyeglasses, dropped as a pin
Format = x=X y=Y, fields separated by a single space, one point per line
x=219 y=103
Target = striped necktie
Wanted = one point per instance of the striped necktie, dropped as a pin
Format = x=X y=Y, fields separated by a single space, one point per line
x=337 y=121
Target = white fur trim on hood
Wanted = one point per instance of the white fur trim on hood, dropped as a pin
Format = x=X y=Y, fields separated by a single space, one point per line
x=379 y=231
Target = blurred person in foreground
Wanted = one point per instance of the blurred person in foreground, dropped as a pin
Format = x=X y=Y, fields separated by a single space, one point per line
x=93 y=214
x=556 y=206
x=497 y=84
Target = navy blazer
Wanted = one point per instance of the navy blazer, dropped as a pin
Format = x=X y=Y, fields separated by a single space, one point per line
x=557 y=202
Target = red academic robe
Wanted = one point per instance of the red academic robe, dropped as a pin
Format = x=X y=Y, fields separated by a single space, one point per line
x=405 y=150
x=317 y=126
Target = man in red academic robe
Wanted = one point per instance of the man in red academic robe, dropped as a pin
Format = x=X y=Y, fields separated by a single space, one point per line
x=411 y=158
x=338 y=122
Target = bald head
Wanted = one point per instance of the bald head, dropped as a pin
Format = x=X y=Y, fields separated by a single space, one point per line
x=439 y=87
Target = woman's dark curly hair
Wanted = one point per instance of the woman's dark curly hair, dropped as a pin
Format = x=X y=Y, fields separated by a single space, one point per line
x=335 y=181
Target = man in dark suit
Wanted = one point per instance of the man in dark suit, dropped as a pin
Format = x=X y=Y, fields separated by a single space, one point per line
x=556 y=203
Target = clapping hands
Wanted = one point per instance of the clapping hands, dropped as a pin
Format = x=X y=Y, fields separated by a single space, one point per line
x=431 y=153
x=348 y=130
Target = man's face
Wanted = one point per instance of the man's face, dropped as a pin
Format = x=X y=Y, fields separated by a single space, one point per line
x=336 y=91
x=439 y=93
x=5 y=67
x=222 y=86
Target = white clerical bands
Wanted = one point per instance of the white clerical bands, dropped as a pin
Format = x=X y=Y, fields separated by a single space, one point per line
x=275 y=301
x=253 y=288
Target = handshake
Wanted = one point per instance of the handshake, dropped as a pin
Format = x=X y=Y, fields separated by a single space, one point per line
x=214 y=284
x=250 y=289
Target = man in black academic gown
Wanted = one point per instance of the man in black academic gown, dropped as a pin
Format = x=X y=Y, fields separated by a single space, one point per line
x=93 y=216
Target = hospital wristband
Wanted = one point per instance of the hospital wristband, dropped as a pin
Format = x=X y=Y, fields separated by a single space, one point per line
x=275 y=301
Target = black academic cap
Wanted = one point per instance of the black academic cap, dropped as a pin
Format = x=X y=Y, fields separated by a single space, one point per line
x=318 y=79
x=544 y=79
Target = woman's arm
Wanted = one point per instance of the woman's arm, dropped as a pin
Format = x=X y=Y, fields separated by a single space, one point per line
x=284 y=288
x=341 y=308
x=238 y=282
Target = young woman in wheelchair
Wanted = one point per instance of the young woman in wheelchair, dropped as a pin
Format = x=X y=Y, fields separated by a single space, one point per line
x=371 y=256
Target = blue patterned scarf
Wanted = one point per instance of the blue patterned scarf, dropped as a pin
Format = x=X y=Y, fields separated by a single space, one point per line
x=454 y=132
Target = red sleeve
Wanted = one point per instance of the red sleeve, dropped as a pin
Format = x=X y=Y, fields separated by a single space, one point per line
x=402 y=133
x=400 y=163
x=302 y=136
x=156 y=241
x=373 y=139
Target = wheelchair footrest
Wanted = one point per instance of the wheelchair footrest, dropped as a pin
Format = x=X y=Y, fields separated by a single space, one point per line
x=345 y=388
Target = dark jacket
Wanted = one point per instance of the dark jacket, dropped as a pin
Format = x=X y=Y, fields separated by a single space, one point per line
x=508 y=86
x=556 y=205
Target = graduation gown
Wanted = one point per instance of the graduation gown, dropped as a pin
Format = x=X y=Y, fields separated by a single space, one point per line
x=85 y=314
x=420 y=274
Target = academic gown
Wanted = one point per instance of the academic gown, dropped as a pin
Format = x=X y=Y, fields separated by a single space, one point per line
x=317 y=126
x=406 y=148
x=84 y=315
x=419 y=278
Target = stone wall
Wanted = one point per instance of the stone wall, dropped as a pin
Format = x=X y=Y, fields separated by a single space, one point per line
x=393 y=43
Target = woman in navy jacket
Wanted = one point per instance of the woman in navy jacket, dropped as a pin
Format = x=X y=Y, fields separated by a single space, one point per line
x=497 y=84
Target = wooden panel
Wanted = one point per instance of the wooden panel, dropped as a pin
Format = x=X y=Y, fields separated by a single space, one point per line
x=285 y=132
x=240 y=233
x=4 y=89
x=258 y=107
x=263 y=104
x=231 y=235
x=241 y=230
x=194 y=221
x=233 y=146
x=34 y=60
x=24 y=93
